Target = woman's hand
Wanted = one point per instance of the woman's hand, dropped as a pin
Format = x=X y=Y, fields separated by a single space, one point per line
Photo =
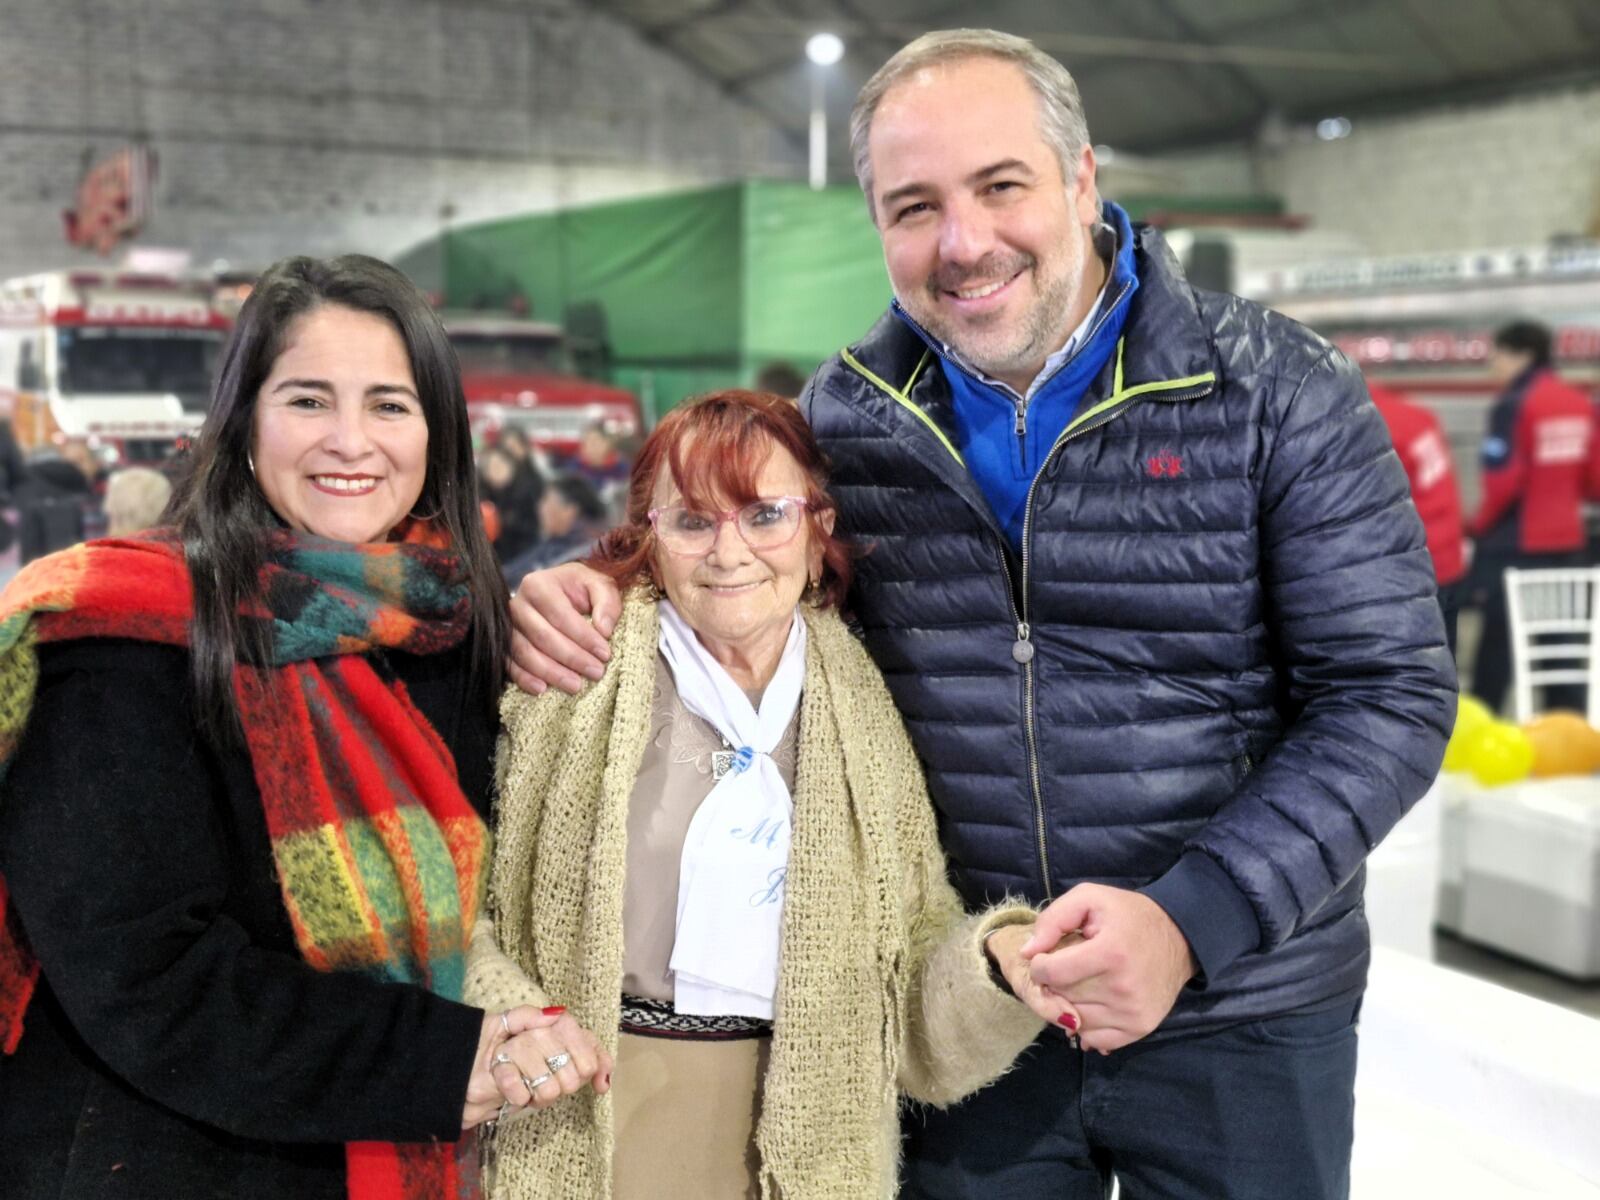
x=517 y=1045
x=554 y=641
x=483 y=1092
x=555 y=1054
x=1004 y=948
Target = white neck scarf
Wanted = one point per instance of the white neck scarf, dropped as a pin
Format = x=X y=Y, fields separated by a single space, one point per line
x=736 y=854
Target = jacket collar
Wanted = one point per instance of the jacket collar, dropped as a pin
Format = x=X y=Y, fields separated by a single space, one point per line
x=1165 y=337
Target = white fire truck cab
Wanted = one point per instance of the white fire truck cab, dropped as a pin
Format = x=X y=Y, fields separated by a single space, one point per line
x=123 y=361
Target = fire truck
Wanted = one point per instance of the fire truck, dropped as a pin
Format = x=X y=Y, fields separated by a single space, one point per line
x=121 y=360
x=520 y=373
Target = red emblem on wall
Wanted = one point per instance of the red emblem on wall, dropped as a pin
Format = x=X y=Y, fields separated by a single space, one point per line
x=113 y=200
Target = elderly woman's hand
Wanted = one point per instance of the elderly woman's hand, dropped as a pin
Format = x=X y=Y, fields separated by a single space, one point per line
x=556 y=1058
x=1004 y=947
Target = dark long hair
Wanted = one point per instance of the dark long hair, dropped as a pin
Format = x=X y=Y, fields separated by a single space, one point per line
x=220 y=512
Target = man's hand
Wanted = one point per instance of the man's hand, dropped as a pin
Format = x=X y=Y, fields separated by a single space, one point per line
x=554 y=642
x=1124 y=976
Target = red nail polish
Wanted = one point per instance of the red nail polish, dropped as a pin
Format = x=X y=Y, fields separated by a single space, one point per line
x=555 y=1010
x=1067 y=1019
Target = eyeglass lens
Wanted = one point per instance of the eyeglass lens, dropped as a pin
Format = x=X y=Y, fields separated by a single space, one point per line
x=762 y=523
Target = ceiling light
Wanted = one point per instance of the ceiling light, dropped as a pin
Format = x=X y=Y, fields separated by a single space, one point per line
x=824 y=49
x=1331 y=129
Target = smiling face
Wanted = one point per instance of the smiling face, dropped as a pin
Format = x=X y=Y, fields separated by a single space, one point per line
x=987 y=246
x=340 y=442
x=738 y=600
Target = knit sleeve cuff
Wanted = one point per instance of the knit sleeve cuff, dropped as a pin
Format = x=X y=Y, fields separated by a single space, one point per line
x=964 y=1031
x=1210 y=911
x=494 y=982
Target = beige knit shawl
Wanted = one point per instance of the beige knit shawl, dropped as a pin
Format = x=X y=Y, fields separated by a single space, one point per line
x=867 y=911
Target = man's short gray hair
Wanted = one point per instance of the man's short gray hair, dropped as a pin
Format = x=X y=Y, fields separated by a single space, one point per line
x=1061 y=119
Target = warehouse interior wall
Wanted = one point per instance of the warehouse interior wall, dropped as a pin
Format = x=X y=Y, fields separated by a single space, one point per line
x=1517 y=171
x=299 y=126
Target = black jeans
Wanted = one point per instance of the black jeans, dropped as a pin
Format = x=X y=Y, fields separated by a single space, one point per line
x=1260 y=1111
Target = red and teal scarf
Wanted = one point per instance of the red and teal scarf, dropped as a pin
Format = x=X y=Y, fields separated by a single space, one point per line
x=379 y=855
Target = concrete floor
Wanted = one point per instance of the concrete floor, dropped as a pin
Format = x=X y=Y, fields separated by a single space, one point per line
x=1450 y=951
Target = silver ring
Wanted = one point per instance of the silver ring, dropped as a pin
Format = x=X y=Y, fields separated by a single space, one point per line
x=500 y=1059
x=505 y=1023
x=534 y=1085
x=556 y=1061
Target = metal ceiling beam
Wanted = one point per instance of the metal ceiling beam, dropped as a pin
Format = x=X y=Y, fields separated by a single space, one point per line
x=795 y=138
x=1290 y=17
x=1551 y=76
x=687 y=20
x=1232 y=70
x=1206 y=52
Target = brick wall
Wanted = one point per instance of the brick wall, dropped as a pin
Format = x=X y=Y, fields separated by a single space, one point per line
x=1513 y=172
x=286 y=126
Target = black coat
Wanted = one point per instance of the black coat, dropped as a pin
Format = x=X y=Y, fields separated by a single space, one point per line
x=518 y=506
x=1217 y=671
x=177 y=1046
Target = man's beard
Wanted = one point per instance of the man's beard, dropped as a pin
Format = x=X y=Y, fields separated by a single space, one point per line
x=999 y=350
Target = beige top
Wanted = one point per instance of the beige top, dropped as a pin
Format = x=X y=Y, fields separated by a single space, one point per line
x=674 y=777
x=880 y=965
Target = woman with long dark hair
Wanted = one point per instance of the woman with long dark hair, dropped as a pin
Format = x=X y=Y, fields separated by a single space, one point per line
x=247 y=761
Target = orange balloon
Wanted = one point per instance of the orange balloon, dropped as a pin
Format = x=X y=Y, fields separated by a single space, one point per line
x=1563 y=744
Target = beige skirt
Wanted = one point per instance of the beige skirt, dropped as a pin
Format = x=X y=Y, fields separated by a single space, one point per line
x=686 y=1115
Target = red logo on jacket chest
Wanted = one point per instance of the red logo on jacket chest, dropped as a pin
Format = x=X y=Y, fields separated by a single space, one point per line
x=1165 y=465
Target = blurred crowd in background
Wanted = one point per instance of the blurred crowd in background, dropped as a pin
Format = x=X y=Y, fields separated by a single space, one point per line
x=543 y=503
x=546 y=503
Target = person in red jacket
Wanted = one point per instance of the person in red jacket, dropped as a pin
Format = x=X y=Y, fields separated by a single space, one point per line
x=1420 y=442
x=1536 y=475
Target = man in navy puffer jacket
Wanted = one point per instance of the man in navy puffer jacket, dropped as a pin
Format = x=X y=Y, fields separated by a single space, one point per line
x=1148 y=587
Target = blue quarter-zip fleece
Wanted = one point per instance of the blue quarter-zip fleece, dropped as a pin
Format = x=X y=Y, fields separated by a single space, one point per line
x=1004 y=464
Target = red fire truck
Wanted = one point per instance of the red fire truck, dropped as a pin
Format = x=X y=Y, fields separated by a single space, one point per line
x=123 y=361
x=520 y=373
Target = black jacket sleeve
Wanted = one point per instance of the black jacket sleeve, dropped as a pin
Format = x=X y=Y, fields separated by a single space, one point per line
x=132 y=855
x=1371 y=687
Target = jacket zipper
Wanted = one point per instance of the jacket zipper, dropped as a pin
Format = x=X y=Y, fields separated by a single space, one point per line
x=1022 y=651
x=1105 y=312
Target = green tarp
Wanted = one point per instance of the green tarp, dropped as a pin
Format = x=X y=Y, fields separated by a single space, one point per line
x=699 y=289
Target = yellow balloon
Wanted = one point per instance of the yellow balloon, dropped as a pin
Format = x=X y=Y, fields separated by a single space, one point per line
x=1472 y=713
x=1499 y=754
x=1472 y=717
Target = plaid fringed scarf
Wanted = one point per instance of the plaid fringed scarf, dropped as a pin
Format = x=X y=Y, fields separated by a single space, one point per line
x=379 y=854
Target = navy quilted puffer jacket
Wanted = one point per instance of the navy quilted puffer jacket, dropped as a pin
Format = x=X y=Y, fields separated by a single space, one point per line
x=1217 y=672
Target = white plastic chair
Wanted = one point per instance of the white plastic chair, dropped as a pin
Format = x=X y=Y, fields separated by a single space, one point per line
x=1552 y=602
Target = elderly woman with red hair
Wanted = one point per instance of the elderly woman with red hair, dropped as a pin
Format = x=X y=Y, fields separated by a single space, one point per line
x=722 y=859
